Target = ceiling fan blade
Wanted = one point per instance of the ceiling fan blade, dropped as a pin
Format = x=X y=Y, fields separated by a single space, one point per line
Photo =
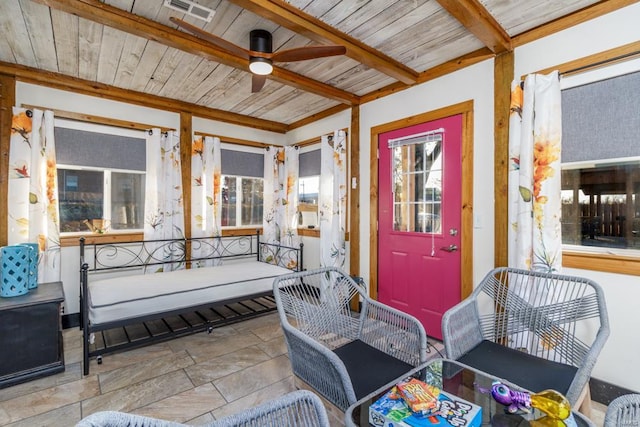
x=214 y=40
x=257 y=82
x=309 y=52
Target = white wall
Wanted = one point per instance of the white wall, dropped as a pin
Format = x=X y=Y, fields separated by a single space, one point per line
x=471 y=83
x=618 y=362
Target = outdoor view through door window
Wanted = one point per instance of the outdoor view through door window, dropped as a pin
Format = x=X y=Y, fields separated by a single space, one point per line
x=417 y=183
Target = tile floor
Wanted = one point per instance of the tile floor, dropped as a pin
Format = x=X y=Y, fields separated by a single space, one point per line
x=194 y=379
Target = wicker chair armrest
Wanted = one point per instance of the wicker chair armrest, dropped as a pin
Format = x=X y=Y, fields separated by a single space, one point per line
x=461 y=328
x=623 y=411
x=299 y=408
x=394 y=332
x=123 y=419
x=319 y=367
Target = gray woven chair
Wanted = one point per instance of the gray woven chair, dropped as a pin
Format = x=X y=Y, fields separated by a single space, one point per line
x=343 y=355
x=623 y=411
x=536 y=330
x=297 y=409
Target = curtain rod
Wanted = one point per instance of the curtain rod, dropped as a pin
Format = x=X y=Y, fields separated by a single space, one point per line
x=88 y=118
x=602 y=63
x=237 y=141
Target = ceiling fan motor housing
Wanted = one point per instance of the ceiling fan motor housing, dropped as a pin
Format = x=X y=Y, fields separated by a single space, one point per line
x=260 y=41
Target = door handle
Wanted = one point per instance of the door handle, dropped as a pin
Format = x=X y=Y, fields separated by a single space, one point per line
x=450 y=248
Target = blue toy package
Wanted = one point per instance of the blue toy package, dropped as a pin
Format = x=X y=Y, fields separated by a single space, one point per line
x=452 y=411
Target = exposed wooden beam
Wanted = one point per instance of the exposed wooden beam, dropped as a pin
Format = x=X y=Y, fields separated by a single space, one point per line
x=476 y=19
x=317 y=116
x=503 y=75
x=578 y=17
x=294 y=19
x=74 y=84
x=89 y=118
x=102 y=13
x=7 y=101
x=431 y=74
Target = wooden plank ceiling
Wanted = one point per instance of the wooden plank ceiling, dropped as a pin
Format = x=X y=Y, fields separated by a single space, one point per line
x=132 y=45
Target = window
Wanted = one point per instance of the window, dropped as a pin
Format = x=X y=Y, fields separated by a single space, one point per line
x=601 y=164
x=242 y=188
x=242 y=201
x=417 y=183
x=308 y=188
x=101 y=180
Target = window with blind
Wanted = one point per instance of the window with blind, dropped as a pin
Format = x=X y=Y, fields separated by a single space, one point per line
x=242 y=188
x=601 y=164
x=101 y=180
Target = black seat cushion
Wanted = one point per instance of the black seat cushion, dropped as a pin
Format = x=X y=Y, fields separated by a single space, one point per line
x=369 y=368
x=530 y=372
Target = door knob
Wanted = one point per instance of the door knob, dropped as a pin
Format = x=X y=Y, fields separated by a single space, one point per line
x=450 y=248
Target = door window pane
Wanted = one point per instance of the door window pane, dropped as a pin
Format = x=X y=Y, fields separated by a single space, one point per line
x=417 y=186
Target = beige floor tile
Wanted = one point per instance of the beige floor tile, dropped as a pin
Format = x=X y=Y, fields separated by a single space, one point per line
x=71 y=373
x=256 y=398
x=245 y=382
x=184 y=406
x=130 y=357
x=131 y=374
x=274 y=347
x=49 y=399
x=203 y=350
x=138 y=395
x=218 y=367
x=62 y=417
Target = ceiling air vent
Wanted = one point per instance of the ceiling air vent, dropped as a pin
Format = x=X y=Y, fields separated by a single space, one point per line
x=190 y=8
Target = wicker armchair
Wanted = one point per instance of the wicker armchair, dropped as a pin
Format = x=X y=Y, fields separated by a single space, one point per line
x=340 y=354
x=297 y=409
x=536 y=330
x=623 y=411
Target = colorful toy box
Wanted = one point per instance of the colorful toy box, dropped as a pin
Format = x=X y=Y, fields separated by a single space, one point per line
x=452 y=411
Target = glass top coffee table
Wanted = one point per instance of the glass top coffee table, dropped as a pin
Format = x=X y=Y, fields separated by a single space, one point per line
x=464 y=382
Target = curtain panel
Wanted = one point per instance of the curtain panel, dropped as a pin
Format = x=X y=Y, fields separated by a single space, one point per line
x=535 y=133
x=332 y=206
x=280 y=221
x=164 y=213
x=33 y=209
x=206 y=198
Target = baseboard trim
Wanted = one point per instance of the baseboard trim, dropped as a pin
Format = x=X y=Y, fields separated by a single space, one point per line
x=70 y=320
x=604 y=392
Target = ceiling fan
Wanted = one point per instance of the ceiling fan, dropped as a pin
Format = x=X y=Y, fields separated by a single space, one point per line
x=260 y=53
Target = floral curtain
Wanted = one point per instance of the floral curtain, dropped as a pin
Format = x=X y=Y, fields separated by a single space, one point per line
x=535 y=131
x=206 y=198
x=333 y=199
x=280 y=222
x=163 y=197
x=33 y=189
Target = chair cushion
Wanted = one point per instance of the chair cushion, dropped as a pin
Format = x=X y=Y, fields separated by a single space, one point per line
x=369 y=368
x=528 y=371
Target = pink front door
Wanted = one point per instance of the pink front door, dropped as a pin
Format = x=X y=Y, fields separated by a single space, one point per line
x=419 y=220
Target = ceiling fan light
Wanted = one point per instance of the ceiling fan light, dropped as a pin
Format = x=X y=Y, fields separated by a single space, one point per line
x=260 y=66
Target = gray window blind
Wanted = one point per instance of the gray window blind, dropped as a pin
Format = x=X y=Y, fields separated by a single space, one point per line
x=241 y=163
x=309 y=163
x=601 y=120
x=82 y=148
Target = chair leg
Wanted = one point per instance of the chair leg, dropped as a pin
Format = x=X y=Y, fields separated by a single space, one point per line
x=583 y=404
x=336 y=416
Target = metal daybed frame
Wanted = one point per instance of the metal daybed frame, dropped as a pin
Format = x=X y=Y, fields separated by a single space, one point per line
x=125 y=334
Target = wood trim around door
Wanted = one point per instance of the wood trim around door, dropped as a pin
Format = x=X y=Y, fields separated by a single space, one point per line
x=466 y=265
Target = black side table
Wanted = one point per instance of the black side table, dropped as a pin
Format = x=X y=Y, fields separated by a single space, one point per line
x=31 y=335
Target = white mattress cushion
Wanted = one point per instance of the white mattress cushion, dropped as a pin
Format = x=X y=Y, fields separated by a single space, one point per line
x=120 y=298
